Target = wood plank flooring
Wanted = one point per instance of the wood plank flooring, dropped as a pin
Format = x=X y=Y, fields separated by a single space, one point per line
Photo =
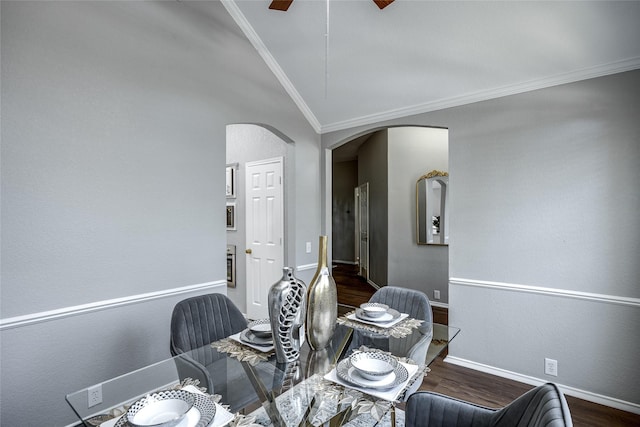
x=468 y=384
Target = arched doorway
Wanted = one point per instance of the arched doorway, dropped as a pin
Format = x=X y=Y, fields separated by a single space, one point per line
x=247 y=145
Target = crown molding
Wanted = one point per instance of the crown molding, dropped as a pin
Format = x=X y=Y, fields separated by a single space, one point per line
x=485 y=95
x=273 y=65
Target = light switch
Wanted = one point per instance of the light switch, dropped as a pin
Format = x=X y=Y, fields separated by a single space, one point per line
x=308 y=247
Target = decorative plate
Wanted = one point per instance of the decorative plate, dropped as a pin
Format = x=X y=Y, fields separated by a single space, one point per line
x=374 y=309
x=260 y=328
x=390 y=315
x=373 y=365
x=348 y=373
x=249 y=337
x=200 y=415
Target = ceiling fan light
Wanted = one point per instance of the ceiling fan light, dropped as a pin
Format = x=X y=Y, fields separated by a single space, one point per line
x=282 y=5
x=383 y=3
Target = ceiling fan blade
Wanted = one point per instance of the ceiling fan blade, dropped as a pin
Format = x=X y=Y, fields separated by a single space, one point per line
x=383 y=3
x=282 y=5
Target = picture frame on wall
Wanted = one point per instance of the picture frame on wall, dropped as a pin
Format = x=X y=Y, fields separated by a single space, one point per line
x=231 y=181
x=231 y=215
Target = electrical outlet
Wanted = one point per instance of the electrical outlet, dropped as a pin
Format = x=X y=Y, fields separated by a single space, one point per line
x=308 y=247
x=436 y=294
x=94 y=395
x=551 y=367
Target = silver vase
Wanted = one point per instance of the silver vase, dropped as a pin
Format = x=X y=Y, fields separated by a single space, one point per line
x=322 y=302
x=286 y=314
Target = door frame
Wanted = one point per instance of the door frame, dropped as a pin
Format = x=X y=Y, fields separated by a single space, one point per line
x=363 y=267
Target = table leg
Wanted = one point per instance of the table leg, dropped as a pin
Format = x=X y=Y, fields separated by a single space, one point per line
x=267 y=398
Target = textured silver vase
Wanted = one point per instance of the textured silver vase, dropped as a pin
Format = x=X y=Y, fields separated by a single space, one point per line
x=287 y=301
x=322 y=302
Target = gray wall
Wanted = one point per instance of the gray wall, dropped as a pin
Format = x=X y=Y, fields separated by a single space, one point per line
x=545 y=233
x=414 y=151
x=114 y=120
x=249 y=143
x=372 y=168
x=345 y=180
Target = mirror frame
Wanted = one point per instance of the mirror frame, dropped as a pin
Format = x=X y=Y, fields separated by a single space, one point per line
x=422 y=203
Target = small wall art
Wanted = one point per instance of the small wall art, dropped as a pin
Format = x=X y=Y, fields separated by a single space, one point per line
x=231 y=215
x=231 y=181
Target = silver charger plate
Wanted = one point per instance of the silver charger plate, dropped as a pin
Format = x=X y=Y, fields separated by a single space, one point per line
x=250 y=338
x=202 y=403
x=389 y=316
x=348 y=373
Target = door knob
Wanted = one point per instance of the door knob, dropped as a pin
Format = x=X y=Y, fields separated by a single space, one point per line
x=248 y=251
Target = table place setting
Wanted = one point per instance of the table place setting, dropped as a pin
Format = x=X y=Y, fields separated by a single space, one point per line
x=380 y=319
x=252 y=345
x=257 y=336
x=186 y=406
x=375 y=373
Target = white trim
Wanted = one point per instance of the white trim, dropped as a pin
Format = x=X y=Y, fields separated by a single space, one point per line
x=307 y=267
x=610 y=299
x=514 y=89
x=439 y=304
x=45 y=316
x=271 y=62
x=571 y=391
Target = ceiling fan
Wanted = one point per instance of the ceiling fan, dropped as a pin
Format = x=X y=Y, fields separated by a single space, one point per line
x=283 y=5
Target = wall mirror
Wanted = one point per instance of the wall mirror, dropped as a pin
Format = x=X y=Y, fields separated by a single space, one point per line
x=432 y=208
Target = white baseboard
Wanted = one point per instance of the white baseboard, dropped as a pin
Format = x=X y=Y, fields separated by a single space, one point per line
x=571 y=391
x=45 y=316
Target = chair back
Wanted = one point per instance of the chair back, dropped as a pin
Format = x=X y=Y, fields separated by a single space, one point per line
x=410 y=301
x=201 y=320
x=543 y=406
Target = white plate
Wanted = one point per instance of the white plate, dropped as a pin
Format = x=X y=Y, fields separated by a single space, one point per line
x=201 y=415
x=373 y=365
x=390 y=315
x=374 y=309
x=348 y=373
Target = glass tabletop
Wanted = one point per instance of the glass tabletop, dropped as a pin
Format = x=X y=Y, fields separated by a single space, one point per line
x=265 y=392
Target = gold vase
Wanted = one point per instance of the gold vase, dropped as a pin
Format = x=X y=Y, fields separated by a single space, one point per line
x=322 y=302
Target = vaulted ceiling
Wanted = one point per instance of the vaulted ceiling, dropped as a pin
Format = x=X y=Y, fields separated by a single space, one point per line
x=348 y=63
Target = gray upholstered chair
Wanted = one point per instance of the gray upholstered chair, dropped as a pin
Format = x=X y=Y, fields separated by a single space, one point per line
x=201 y=320
x=414 y=303
x=543 y=406
x=197 y=322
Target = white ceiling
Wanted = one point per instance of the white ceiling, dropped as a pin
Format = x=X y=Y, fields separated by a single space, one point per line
x=416 y=56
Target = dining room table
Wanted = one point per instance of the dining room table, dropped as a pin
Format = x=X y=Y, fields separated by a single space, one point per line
x=323 y=387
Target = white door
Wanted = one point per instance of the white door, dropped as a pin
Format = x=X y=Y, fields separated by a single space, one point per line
x=265 y=233
x=362 y=229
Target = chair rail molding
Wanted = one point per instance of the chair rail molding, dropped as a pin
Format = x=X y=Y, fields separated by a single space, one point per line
x=566 y=293
x=306 y=267
x=45 y=316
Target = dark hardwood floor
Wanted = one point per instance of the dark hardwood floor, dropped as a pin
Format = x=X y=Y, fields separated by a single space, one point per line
x=468 y=384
